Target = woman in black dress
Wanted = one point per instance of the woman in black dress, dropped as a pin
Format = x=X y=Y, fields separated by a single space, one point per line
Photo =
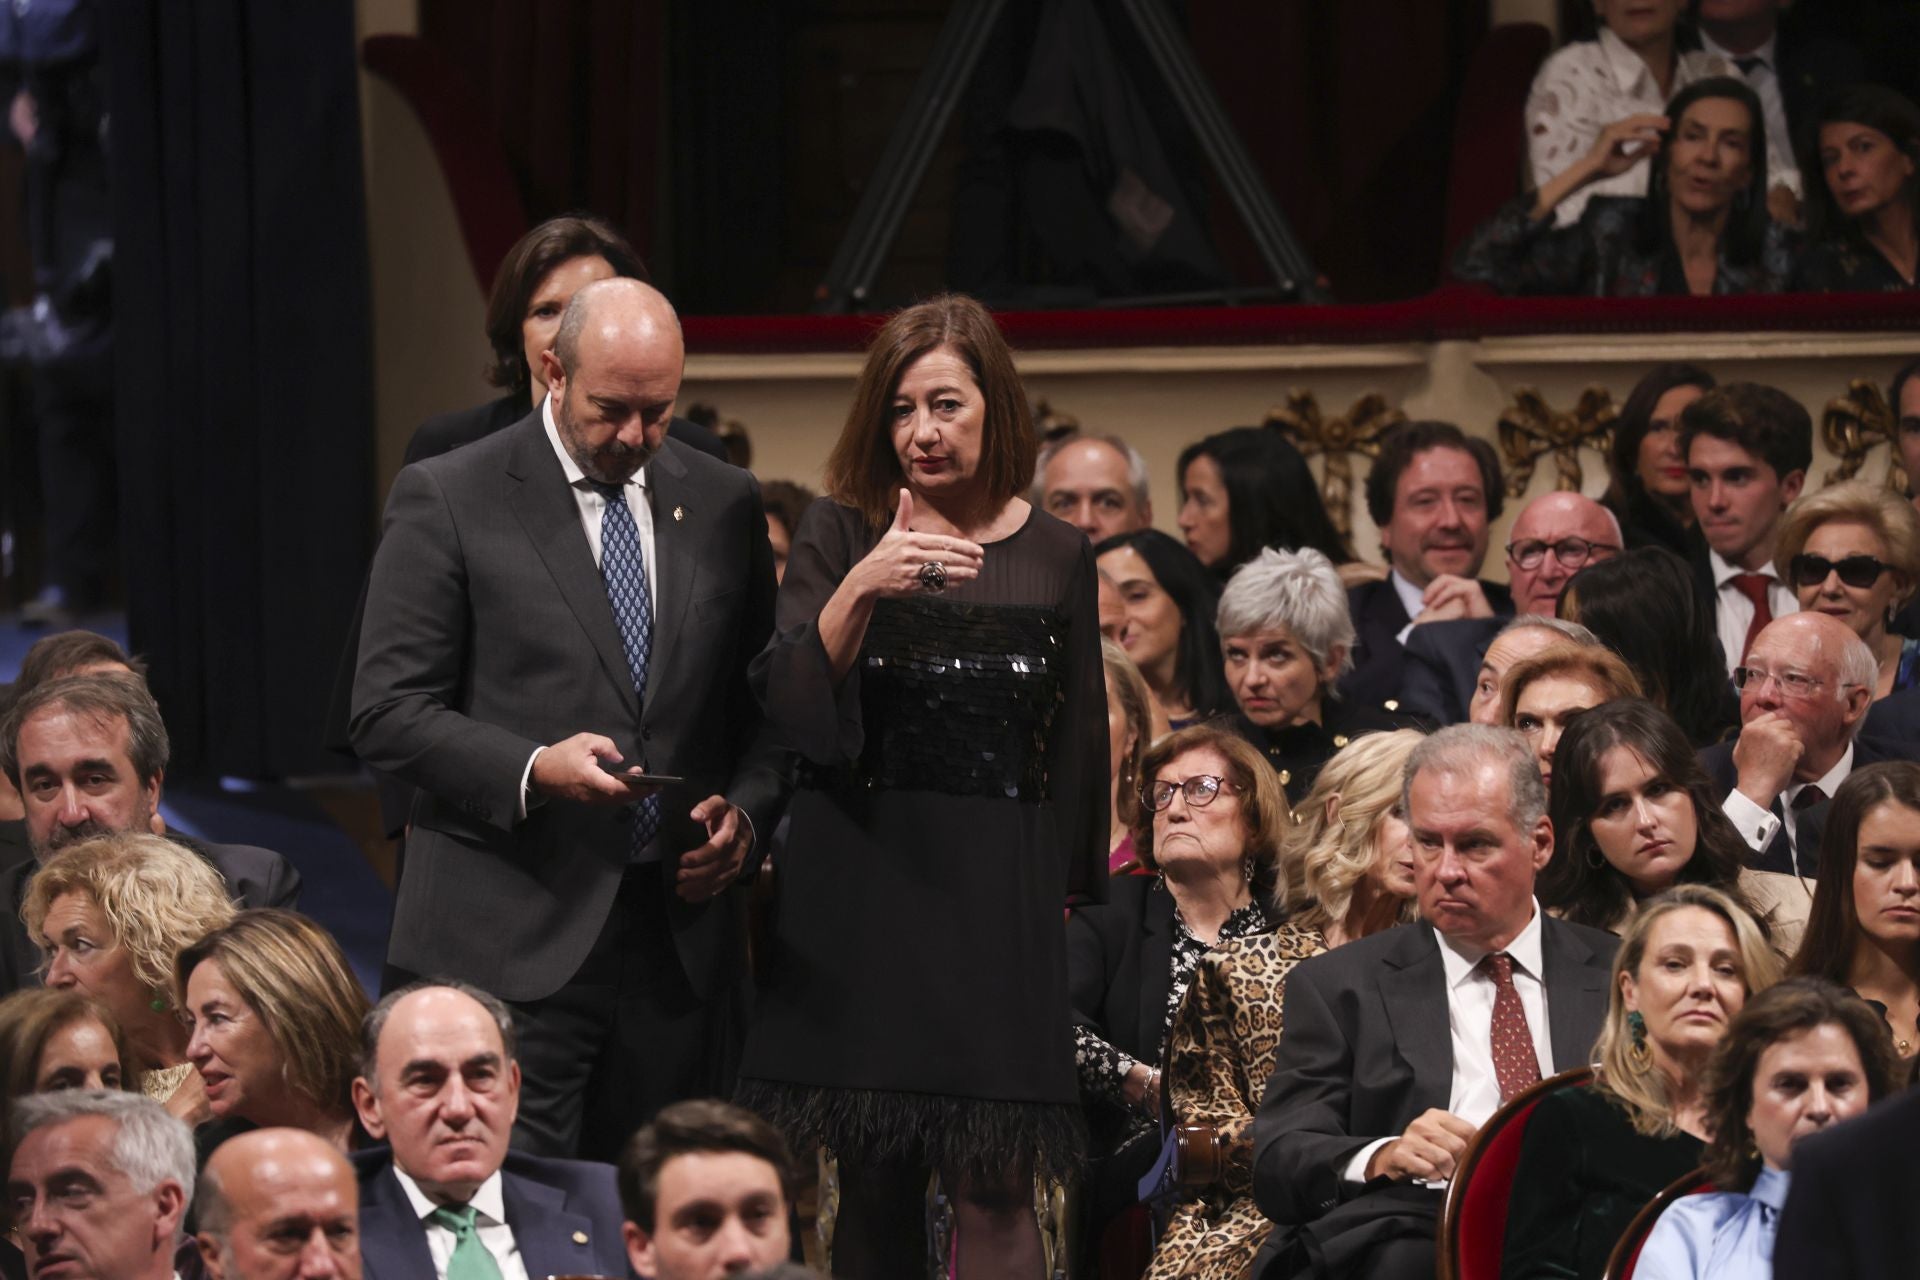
x=1648 y=490
x=1864 y=216
x=936 y=664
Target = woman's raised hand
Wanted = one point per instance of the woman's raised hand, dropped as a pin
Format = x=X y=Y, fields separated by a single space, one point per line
x=1624 y=144
x=897 y=564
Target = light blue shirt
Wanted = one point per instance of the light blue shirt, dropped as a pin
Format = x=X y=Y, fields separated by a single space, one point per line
x=1720 y=1234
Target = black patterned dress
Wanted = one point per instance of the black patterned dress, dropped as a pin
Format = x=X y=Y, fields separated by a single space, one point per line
x=952 y=798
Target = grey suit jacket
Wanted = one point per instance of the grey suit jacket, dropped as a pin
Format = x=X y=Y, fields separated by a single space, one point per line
x=487 y=634
x=1368 y=1049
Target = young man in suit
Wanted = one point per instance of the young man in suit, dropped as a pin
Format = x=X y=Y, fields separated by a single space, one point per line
x=706 y=1190
x=445 y=1199
x=1432 y=492
x=278 y=1204
x=551 y=609
x=1804 y=693
x=1400 y=1045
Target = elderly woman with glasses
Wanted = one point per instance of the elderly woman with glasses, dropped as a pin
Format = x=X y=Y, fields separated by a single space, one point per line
x=1215 y=816
x=1285 y=637
x=1853 y=551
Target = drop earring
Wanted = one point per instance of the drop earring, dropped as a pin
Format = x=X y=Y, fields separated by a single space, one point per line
x=1639 y=1056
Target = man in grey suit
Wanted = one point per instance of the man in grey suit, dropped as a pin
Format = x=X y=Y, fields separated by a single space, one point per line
x=553 y=608
x=1400 y=1045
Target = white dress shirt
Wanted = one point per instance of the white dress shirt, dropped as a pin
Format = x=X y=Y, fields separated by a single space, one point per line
x=1783 y=169
x=1578 y=92
x=489 y=1222
x=1471 y=991
x=1757 y=825
x=1413 y=599
x=1734 y=612
x=592 y=508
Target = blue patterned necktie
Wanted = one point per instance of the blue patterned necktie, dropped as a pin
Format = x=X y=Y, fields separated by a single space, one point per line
x=626 y=577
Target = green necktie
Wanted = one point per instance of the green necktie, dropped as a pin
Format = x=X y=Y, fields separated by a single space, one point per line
x=470 y=1260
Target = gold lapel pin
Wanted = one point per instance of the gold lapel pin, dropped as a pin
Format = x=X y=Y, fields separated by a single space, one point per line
x=679 y=513
x=579 y=1237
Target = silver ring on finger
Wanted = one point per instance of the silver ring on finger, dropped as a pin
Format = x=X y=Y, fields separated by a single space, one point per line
x=933 y=577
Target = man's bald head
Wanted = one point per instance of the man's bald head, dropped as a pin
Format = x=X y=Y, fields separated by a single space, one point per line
x=613 y=375
x=278 y=1203
x=1556 y=520
x=1826 y=715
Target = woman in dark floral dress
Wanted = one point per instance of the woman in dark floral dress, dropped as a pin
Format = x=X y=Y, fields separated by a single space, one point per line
x=1864 y=216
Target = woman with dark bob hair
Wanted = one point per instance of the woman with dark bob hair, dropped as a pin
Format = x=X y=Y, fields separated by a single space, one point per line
x=1702 y=228
x=936 y=666
x=1648 y=490
x=1643 y=604
x=1865 y=927
x=1634 y=814
x=275 y=1012
x=1169 y=599
x=1800 y=1057
x=52 y=1040
x=1247 y=489
x=1864 y=219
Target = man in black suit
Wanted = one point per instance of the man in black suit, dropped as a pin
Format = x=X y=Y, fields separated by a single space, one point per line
x=440 y=1085
x=1400 y=1045
x=1432 y=492
x=1805 y=690
x=551 y=608
x=1850 y=1207
x=1555 y=536
x=89 y=755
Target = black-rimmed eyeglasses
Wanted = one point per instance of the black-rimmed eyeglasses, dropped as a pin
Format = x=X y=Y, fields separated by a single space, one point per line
x=1570 y=552
x=1859 y=572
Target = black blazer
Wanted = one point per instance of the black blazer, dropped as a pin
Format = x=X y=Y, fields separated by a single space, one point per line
x=488 y=633
x=255 y=877
x=1367 y=1049
x=565 y=1216
x=1443 y=667
x=1811 y=821
x=1850 y=1207
x=1379 y=662
x=1120 y=963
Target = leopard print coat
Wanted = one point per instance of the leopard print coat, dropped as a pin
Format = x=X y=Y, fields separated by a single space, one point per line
x=1219 y=1056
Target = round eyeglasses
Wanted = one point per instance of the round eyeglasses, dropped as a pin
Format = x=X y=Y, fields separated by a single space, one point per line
x=1570 y=552
x=1200 y=791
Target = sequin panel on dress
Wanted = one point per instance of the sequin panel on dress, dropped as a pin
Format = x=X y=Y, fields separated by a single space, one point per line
x=960 y=698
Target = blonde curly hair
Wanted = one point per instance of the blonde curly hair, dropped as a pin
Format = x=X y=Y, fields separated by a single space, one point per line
x=1324 y=856
x=158 y=897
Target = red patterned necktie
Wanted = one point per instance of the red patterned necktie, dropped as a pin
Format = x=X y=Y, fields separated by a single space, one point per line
x=1754 y=587
x=1515 y=1062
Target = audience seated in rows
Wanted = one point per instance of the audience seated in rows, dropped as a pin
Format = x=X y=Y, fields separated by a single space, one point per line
x=1800 y=1057
x=1634 y=814
x=1346 y=873
x=1864 y=215
x=1804 y=693
x=1248 y=489
x=278 y=1204
x=1097 y=484
x=1552 y=538
x=1367 y=1109
x=1852 y=551
x=1864 y=932
x=1432 y=492
x=1214 y=822
x=1169 y=598
x=1285 y=638
x=1541 y=694
x=1648 y=490
x=1129 y=733
x=1592 y=1157
x=706 y=1189
x=274 y=1012
x=1647 y=606
x=89 y=753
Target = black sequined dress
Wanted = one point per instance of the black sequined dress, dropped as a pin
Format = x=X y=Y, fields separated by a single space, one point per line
x=952 y=799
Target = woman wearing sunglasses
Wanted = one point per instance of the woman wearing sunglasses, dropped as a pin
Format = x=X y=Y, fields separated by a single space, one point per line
x=1853 y=551
x=1213 y=815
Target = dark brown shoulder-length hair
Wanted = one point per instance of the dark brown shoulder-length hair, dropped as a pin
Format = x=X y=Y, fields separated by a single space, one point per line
x=1264 y=814
x=864 y=473
x=1833 y=927
x=532 y=258
x=1788 y=1008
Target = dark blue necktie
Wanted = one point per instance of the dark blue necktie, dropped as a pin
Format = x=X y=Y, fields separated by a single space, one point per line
x=626 y=577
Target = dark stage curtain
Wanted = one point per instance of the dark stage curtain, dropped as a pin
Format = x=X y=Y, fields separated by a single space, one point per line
x=244 y=381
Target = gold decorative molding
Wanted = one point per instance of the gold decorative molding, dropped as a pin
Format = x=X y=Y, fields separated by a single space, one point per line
x=1857 y=423
x=1531 y=427
x=1051 y=424
x=1338 y=439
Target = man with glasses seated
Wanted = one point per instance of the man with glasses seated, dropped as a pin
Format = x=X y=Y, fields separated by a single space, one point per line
x=1554 y=536
x=1804 y=692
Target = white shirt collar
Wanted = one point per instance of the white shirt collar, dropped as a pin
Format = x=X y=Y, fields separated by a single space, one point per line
x=1626 y=66
x=489 y=1202
x=1764 y=51
x=1461 y=959
x=1412 y=598
x=1828 y=782
x=575 y=476
x=1724 y=572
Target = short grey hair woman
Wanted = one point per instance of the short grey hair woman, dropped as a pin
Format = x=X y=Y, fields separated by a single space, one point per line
x=1285 y=637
